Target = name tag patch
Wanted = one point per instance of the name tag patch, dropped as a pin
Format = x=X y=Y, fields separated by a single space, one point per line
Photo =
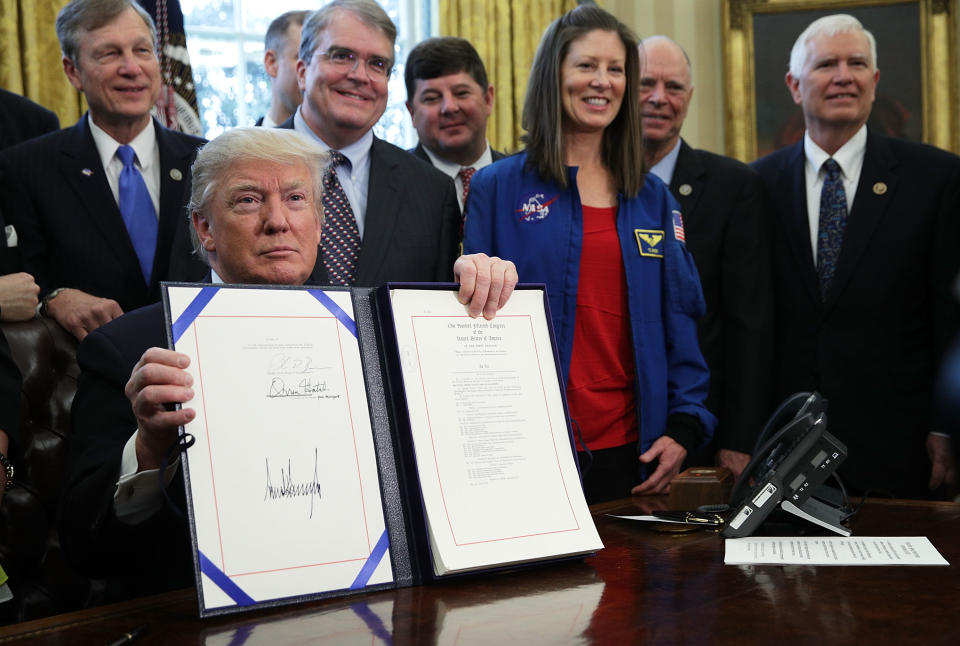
x=650 y=242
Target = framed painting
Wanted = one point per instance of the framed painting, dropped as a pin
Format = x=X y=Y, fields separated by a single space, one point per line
x=916 y=55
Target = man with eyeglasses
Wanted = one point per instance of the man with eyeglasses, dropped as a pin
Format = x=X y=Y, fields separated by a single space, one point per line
x=389 y=215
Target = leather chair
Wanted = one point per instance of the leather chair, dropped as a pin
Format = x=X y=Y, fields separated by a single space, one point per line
x=42 y=581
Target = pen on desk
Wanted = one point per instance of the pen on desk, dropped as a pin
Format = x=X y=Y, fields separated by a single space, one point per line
x=130 y=636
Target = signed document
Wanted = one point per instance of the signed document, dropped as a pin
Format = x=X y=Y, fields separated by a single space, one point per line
x=284 y=496
x=496 y=466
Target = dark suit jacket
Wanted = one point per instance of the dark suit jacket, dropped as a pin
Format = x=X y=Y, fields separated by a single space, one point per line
x=727 y=232
x=69 y=225
x=22 y=119
x=873 y=346
x=411 y=228
x=136 y=559
x=418 y=151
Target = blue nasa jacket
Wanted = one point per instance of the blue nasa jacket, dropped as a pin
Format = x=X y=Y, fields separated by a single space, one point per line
x=514 y=214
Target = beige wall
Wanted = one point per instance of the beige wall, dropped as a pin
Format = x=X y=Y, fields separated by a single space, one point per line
x=695 y=24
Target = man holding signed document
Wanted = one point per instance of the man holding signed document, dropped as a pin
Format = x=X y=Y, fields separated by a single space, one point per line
x=257 y=216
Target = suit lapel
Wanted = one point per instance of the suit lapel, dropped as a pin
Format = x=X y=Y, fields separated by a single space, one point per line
x=687 y=182
x=83 y=172
x=383 y=193
x=791 y=198
x=419 y=152
x=875 y=191
x=175 y=157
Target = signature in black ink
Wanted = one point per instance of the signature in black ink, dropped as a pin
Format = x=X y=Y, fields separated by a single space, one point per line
x=306 y=387
x=290 y=489
x=284 y=364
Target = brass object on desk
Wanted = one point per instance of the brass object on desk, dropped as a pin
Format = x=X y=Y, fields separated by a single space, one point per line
x=698 y=486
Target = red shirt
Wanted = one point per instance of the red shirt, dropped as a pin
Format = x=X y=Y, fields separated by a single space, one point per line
x=600 y=390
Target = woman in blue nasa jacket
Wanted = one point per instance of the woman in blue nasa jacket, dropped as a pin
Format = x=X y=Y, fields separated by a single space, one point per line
x=574 y=211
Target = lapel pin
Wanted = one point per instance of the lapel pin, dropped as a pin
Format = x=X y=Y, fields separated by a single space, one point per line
x=685 y=189
x=175 y=174
x=879 y=188
x=87 y=172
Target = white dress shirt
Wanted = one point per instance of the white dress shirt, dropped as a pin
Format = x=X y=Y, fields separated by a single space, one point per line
x=356 y=183
x=148 y=160
x=453 y=169
x=850 y=159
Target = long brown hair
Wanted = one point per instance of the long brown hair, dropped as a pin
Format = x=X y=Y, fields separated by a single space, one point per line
x=543 y=111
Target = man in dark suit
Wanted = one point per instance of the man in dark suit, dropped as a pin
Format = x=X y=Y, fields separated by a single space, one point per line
x=280 y=44
x=22 y=119
x=866 y=247
x=256 y=213
x=726 y=229
x=63 y=191
x=450 y=100
x=397 y=217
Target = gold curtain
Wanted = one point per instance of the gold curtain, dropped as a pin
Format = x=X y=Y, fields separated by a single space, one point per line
x=30 y=57
x=506 y=34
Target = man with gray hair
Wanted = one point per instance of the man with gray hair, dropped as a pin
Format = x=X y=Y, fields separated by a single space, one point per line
x=390 y=216
x=726 y=229
x=866 y=244
x=281 y=45
x=256 y=210
x=97 y=206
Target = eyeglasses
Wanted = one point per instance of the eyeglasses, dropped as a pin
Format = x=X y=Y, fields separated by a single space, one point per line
x=346 y=59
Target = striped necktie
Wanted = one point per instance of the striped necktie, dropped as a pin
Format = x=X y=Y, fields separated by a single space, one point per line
x=340 y=241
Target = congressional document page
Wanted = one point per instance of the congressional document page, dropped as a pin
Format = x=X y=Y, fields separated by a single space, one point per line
x=497 y=469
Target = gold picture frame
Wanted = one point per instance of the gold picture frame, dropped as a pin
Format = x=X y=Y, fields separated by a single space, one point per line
x=936 y=106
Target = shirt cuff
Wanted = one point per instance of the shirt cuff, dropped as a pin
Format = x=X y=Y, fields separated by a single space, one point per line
x=139 y=495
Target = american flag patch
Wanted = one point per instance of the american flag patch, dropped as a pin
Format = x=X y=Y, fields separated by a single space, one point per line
x=678 y=227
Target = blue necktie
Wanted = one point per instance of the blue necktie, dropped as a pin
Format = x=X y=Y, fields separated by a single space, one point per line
x=137 y=210
x=833 y=219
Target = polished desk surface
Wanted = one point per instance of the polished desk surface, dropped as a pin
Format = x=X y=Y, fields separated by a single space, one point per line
x=644 y=587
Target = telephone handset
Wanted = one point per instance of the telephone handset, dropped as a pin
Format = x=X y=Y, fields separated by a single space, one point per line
x=796 y=455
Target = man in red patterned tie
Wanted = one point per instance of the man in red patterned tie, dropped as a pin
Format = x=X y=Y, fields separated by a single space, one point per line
x=450 y=100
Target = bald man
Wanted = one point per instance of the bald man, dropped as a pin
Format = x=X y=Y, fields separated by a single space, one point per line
x=720 y=199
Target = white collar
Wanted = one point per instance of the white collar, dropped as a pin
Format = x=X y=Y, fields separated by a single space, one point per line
x=453 y=168
x=143 y=144
x=849 y=156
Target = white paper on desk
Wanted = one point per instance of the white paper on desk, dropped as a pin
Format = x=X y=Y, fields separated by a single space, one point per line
x=285 y=496
x=496 y=468
x=832 y=550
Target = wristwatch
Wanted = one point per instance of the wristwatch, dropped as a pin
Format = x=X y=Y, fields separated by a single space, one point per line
x=44 y=306
x=8 y=466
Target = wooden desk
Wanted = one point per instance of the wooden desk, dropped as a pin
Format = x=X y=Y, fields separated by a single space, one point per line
x=644 y=587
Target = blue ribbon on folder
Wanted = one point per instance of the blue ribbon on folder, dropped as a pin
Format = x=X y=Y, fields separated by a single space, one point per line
x=193 y=310
x=372 y=562
x=336 y=310
x=223 y=582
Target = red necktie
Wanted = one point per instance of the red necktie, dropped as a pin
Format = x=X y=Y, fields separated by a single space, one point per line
x=465 y=175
